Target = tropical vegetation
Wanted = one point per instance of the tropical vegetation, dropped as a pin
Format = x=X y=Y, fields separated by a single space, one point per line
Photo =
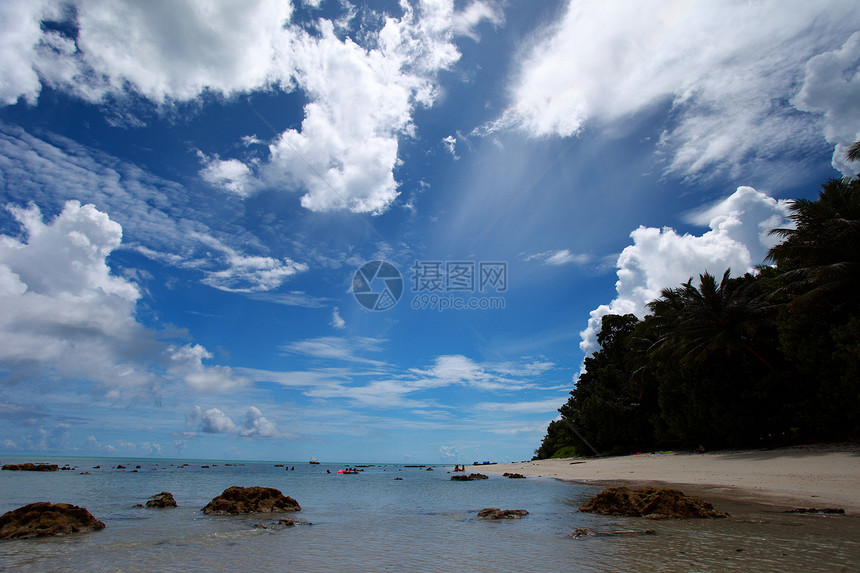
x=759 y=360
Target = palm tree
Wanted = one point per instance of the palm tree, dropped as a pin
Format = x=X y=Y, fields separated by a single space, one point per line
x=722 y=319
x=820 y=256
x=853 y=151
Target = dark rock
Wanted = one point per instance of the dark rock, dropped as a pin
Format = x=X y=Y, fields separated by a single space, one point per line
x=137 y=505
x=513 y=476
x=496 y=513
x=470 y=477
x=650 y=503
x=161 y=500
x=255 y=499
x=120 y=467
x=395 y=479
x=584 y=531
x=44 y=518
x=31 y=467
x=814 y=510
x=429 y=469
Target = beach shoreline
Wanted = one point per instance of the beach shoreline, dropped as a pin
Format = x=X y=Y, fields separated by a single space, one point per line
x=797 y=476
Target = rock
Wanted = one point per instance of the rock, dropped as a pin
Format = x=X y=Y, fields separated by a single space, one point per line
x=470 y=477
x=137 y=505
x=120 y=467
x=44 y=518
x=31 y=467
x=255 y=499
x=496 y=513
x=161 y=500
x=649 y=502
x=814 y=510
x=584 y=531
x=513 y=476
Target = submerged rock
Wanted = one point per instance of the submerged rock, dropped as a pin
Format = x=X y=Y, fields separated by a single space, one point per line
x=496 y=513
x=31 y=467
x=814 y=510
x=161 y=500
x=44 y=518
x=650 y=503
x=580 y=532
x=470 y=477
x=236 y=500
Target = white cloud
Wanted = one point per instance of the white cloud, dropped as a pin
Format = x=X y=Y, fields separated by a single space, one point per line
x=231 y=175
x=214 y=421
x=245 y=273
x=726 y=68
x=254 y=424
x=338 y=348
x=560 y=257
x=176 y=50
x=187 y=364
x=450 y=143
x=832 y=88
x=154 y=223
x=336 y=320
x=361 y=103
x=361 y=97
x=65 y=315
x=661 y=258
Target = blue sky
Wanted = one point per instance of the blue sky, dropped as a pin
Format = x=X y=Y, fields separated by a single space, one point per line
x=190 y=187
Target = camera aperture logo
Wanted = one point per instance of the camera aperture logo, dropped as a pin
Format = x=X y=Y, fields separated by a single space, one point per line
x=437 y=285
x=377 y=285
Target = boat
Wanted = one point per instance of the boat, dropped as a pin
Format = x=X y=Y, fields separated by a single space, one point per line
x=313 y=461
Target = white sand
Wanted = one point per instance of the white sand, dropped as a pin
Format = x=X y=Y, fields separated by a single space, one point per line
x=802 y=476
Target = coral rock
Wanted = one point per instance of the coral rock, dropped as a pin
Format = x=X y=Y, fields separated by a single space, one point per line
x=649 y=502
x=45 y=518
x=236 y=500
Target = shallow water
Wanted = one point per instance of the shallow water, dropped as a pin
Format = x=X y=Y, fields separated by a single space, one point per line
x=373 y=522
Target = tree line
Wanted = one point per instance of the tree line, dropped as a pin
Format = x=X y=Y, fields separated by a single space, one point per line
x=762 y=359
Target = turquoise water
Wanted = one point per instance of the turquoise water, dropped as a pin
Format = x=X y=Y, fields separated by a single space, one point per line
x=374 y=522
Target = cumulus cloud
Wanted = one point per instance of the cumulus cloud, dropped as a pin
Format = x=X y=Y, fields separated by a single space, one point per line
x=231 y=175
x=661 y=258
x=187 y=364
x=215 y=421
x=361 y=97
x=64 y=314
x=727 y=69
x=362 y=100
x=832 y=88
x=165 y=51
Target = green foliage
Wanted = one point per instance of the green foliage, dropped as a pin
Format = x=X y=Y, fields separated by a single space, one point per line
x=756 y=360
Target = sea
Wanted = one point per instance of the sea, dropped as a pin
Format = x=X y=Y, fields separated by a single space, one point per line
x=374 y=521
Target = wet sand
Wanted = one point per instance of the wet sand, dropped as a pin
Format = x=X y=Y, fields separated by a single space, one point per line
x=798 y=476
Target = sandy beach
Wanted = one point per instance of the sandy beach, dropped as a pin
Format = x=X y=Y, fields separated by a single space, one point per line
x=798 y=476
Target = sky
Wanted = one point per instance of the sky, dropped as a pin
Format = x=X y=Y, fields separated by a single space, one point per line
x=374 y=230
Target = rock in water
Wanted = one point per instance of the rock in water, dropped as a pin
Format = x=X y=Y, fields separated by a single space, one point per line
x=496 y=513
x=513 y=475
x=470 y=477
x=45 y=518
x=31 y=467
x=163 y=499
x=649 y=502
x=255 y=499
